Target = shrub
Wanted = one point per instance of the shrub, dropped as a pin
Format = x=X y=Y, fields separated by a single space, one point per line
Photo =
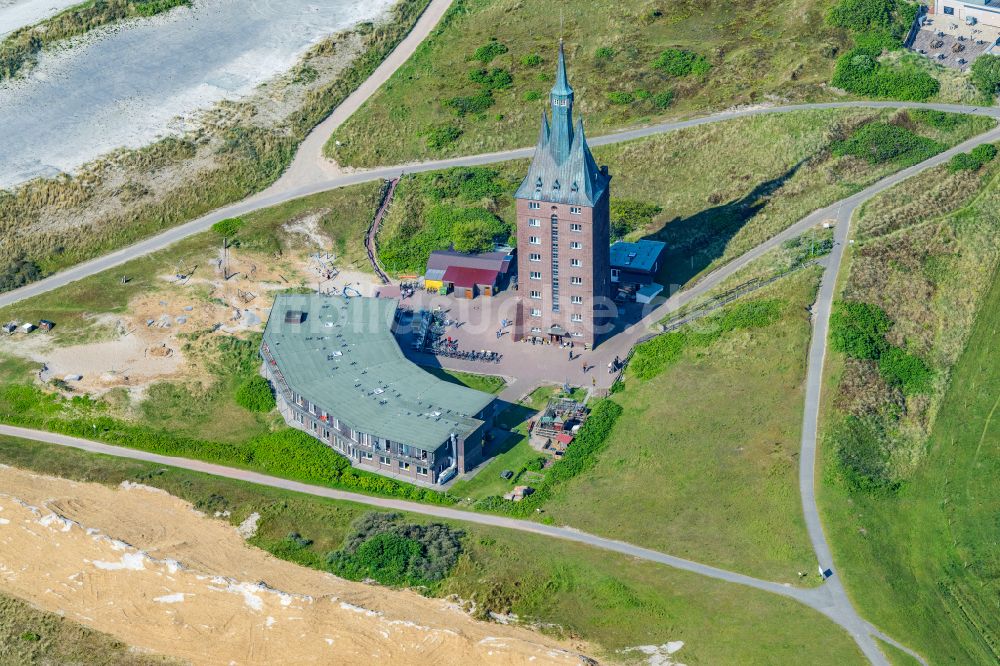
x=30 y=637
x=255 y=395
x=439 y=137
x=858 y=329
x=909 y=372
x=474 y=104
x=628 y=215
x=662 y=100
x=938 y=119
x=620 y=97
x=18 y=273
x=986 y=74
x=984 y=152
x=473 y=235
x=604 y=53
x=531 y=60
x=879 y=142
x=497 y=78
x=677 y=62
x=394 y=553
x=228 y=227
x=487 y=52
x=973 y=160
x=532 y=96
x=859 y=71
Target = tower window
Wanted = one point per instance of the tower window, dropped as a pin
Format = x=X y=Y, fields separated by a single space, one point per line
x=576 y=317
x=534 y=240
x=534 y=205
x=576 y=227
x=575 y=245
x=534 y=222
x=576 y=300
x=536 y=312
x=536 y=275
x=534 y=256
x=536 y=294
x=575 y=263
x=576 y=210
x=576 y=279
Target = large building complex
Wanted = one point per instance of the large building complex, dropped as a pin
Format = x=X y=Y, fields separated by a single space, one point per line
x=563 y=231
x=340 y=375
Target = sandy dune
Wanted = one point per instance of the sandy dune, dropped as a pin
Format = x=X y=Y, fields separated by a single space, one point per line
x=147 y=568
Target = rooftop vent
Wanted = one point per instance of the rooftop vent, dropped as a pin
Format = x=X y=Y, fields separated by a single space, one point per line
x=294 y=316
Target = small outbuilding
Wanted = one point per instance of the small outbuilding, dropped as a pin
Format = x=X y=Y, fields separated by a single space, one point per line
x=45 y=325
x=27 y=327
x=636 y=263
x=468 y=282
x=442 y=261
x=9 y=327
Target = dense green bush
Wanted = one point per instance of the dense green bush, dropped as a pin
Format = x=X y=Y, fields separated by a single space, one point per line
x=531 y=60
x=986 y=74
x=381 y=548
x=858 y=329
x=619 y=97
x=628 y=215
x=938 y=119
x=677 y=62
x=18 y=273
x=497 y=78
x=909 y=372
x=859 y=71
x=604 y=53
x=662 y=100
x=973 y=160
x=878 y=24
x=444 y=225
x=487 y=52
x=879 y=142
x=439 y=137
x=532 y=96
x=255 y=394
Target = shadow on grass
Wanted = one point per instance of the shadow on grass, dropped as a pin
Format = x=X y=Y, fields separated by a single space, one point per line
x=694 y=242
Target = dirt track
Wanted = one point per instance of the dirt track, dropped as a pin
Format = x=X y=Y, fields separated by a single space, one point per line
x=147 y=568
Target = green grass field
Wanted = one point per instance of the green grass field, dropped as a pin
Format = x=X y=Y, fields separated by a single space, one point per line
x=32 y=636
x=708 y=449
x=755 y=49
x=611 y=601
x=484 y=383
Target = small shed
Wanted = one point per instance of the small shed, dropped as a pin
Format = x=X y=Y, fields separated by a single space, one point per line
x=434 y=279
x=468 y=281
x=636 y=263
x=45 y=324
x=9 y=327
x=27 y=327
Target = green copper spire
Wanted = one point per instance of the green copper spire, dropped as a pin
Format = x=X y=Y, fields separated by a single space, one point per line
x=562 y=111
x=562 y=87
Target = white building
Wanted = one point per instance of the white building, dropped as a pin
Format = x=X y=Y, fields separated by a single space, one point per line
x=970 y=12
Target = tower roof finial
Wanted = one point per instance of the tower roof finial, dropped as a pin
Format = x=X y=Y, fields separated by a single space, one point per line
x=561 y=86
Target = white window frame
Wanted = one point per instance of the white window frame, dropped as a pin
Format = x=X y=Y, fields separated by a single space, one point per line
x=535 y=275
x=536 y=329
x=384 y=460
x=576 y=300
x=575 y=227
x=534 y=222
x=577 y=334
x=576 y=263
x=535 y=240
x=421 y=471
x=576 y=210
x=534 y=205
x=576 y=279
x=403 y=465
x=534 y=256
x=576 y=316
x=536 y=312
x=535 y=294
x=575 y=245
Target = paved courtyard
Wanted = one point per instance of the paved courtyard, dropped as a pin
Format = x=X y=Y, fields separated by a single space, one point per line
x=951 y=43
x=476 y=322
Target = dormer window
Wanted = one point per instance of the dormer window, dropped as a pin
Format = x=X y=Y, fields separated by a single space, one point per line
x=538 y=183
x=555 y=185
x=574 y=187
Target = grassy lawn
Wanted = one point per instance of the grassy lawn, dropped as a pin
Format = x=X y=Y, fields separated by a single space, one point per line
x=919 y=550
x=485 y=383
x=513 y=455
x=708 y=448
x=612 y=601
x=31 y=636
x=755 y=49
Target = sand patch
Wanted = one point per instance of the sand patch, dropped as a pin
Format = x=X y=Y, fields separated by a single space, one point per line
x=148 y=569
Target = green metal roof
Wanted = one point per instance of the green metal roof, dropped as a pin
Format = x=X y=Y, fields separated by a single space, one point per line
x=344 y=357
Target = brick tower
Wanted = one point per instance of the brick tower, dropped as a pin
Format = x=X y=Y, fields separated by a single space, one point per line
x=563 y=229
